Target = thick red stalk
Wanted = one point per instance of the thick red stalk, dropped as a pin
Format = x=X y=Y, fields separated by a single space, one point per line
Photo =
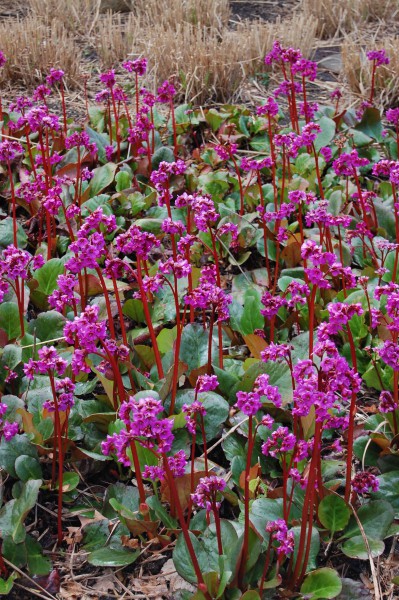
x=245 y=547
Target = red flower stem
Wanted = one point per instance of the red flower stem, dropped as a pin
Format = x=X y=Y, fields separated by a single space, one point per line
x=351 y=426
x=242 y=208
x=137 y=92
x=395 y=201
x=395 y=397
x=149 y=322
x=307 y=511
x=117 y=132
x=152 y=131
x=273 y=155
x=123 y=328
x=218 y=281
x=58 y=435
x=29 y=146
x=266 y=567
x=192 y=473
x=211 y=323
x=63 y=107
x=319 y=181
x=183 y=525
x=205 y=452
x=372 y=81
x=14 y=208
x=245 y=546
x=137 y=471
x=311 y=320
x=179 y=331
x=107 y=303
x=218 y=528
x=172 y=114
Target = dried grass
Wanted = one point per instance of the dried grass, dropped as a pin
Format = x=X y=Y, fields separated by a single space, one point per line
x=77 y=16
x=210 y=63
x=342 y=16
x=357 y=69
x=117 y=36
x=205 y=13
x=31 y=48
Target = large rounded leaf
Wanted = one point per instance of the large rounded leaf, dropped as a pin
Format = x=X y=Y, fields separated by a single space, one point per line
x=334 y=513
x=217 y=411
x=323 y=583
x=356 y=548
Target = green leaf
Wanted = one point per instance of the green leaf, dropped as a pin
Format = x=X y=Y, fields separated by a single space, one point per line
x=279 y=375
x=194 y=346
x=371 y=124
x=206 y=551
x=163 y=154
x=354 y=590
x=217 y=411
x=356 y=547
x=161 y=513
x=37 y=563
x=9 y=320
x=6 y=585
x=322 y=583
x=375 y=516
x=264 y=510
x=70 y=481
x=182 y=559
x=7 y=235
x=334 y=513
x=126 y=495
x=9 y=452
x=27 y=467
x=15 y=553
x=251 y=595
x=133 y=308
x=47 y=275
x=13 y=514
x=95 y=535
x=214 y=118
x=251 y=318
x=327 y=133
x=314 y=547
x=48 y=325
x=112 y=557
x=102 y=178
x=123 y=181
x=389 y=490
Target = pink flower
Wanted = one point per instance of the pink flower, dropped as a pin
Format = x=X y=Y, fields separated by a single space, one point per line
x=365 y=482
x=379 y=56
x=207 y=493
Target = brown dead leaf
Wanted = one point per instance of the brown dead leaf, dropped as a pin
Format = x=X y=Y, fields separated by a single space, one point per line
x=291 y=254
x=183 y=485
x=73 y=590
x=175 y=581
x=74 y=535
x=129 y=542
x=86 y=521
x=255 y=344
x=254 y=472
x=106 y=583
x=154 y=588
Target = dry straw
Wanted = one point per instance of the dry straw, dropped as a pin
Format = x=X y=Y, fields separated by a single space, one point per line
x=194 y=41
x=336 y=17
x=357 y=68
x=32 y=47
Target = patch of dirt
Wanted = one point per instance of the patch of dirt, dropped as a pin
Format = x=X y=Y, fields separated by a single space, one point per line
x=268 y=10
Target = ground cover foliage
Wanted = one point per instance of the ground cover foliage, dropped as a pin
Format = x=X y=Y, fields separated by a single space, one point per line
x=199 y=337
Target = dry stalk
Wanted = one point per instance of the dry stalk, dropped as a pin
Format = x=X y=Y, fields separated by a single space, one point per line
x=357 y=69
x=32 y=48
x=341 y=16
